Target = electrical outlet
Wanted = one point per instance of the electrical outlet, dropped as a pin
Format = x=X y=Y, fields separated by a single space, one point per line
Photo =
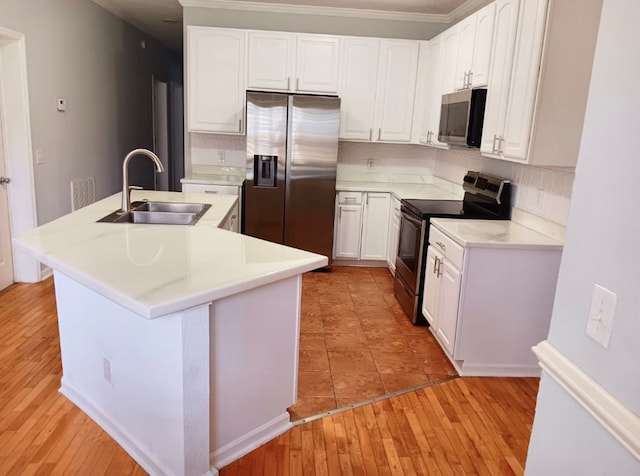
x=603 y=307
x=39 y=156
x=106 y=369
x=62 y=104
x=221 y=156
x=370 y=164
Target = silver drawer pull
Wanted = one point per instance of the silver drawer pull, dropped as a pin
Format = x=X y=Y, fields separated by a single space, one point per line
x=441 y=245
x=211 y=191
x=350 y=199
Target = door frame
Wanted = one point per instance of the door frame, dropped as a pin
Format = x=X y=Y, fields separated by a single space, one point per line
x=18 y=150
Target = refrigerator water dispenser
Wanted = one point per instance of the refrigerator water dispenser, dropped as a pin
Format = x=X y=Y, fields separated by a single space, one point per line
x=265 y=170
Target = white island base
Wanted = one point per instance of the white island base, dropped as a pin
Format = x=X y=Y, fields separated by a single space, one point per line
x=190 y=392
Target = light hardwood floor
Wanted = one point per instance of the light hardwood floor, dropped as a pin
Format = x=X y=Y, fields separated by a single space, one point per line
x=464 y=426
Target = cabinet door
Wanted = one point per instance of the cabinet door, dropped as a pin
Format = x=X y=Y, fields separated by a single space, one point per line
x=466 y=38
x=449 y=52
x=431 y=287
x=506 y=22
x=394 y=234
x=447 y=306
x=524 y=79
x=358 y=87
x=348 y=225
x=397 y=74
x=215 y=68
x=270 y=60
x=317 y=63
x=481 y=60
x=375 y=226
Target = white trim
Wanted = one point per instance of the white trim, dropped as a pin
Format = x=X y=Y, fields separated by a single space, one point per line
x=18 y=148
x=466 y=9
x=250 y=441
x=281 y=8
x=611 y=413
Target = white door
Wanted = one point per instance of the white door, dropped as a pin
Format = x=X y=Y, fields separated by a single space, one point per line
x=466 y=35
x=448 y=296
x=396 y=90
x=449 y=47
x=317 y=63
x=431 y=285
x=482 y=46
x=348 y=224
x=358 y=88
x=6 y=263
x=161 y=132
x=270 y=60
x=375 y=226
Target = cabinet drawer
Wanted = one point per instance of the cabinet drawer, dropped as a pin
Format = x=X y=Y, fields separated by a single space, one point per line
x=219 y=189
x=350 y=198
x=449 y=248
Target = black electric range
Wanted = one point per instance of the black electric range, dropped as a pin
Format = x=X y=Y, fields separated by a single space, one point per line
x=485 y=197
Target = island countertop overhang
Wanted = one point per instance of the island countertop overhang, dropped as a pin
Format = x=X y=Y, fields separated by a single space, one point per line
x=155 y=270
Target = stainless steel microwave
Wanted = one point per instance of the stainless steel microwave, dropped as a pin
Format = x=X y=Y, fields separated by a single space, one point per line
x=462 y=117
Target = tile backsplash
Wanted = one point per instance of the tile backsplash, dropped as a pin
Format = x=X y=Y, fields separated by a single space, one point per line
x=217 y=150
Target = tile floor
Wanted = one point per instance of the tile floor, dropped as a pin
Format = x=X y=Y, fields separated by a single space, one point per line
x=356 y=342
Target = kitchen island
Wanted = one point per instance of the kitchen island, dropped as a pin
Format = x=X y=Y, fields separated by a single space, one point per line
x=180 y=341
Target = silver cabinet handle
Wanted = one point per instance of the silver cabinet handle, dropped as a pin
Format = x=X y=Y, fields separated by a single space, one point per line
x=379 y=132
x=297 y=84
x=370 y=133
x=211 y=191
x=350 y=199
x=367 y=199
x=464 y=81
x=4 y=180
x=435 y=266
x=288 y=81
x=239 y=125
x=441 y=245
x=440 y=267
x=470 y=79
x=493 y=146
x=500 y=142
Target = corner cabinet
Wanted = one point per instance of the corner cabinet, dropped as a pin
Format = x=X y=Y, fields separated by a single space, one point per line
x=215 y=68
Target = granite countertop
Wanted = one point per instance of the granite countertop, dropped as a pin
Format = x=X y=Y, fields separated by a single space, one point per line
x=399 y=190
x=494 y=234
x=155 y=270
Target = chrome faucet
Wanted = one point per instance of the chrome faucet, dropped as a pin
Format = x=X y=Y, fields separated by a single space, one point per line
x=126 y=189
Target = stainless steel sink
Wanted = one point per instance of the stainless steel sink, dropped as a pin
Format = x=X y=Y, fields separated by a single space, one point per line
x=159 y=213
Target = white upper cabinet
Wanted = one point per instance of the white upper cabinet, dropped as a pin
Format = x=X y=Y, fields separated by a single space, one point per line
x=474 y=50
x=358 y=89
x=281 y=61
x=270 y=60
x=317 y=63
x=449 y=47
x=397 y=72
x=513 y=81
x=466 y=39
x=431 y=95
x=215 y=69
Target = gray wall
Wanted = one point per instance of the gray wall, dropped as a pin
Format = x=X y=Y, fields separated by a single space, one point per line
x=333 y=25
x=79 y=51
x=601 y=248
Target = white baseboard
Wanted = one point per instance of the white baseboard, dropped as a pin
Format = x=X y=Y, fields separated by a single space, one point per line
x=499 y=370
x=611 y=413
x=250 y=441
x=45 y=273
x=142 y=457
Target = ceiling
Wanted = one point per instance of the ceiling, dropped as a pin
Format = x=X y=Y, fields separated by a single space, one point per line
x=162 y=19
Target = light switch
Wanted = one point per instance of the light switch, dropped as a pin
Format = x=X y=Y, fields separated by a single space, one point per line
x=39 y=156
x=603 y=307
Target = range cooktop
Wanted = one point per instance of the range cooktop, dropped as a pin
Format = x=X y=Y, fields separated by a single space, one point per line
x=442 y=208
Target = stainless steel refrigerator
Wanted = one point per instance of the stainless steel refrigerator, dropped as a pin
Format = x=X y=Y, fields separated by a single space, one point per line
x=292 y=150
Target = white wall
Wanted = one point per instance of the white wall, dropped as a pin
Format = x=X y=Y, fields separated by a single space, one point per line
x=79 y=51
x=601 y=247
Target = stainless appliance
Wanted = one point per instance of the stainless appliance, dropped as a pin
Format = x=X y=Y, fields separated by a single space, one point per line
x=292 y=150
x=462 y=117
x=485 y=197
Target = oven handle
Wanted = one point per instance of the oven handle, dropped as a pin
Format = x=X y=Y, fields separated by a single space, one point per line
x=413 y=220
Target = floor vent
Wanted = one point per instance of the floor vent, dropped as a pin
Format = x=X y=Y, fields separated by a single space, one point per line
x=83 y=192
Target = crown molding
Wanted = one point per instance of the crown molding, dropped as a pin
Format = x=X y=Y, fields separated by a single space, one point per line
x=315 y=10
x=466 y=9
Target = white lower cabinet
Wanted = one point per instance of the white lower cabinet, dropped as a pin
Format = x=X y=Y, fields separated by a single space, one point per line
x=232 y=221
x=487 y=306
x=394 y=234
x=361 y=226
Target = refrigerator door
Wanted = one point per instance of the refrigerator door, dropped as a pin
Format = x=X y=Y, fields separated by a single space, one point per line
x=312 y=157
x=264 y=189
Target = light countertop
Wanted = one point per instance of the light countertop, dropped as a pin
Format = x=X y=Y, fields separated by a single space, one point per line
x=155 y=270
x=399 y=190
x=494 y=234
x=213 y=179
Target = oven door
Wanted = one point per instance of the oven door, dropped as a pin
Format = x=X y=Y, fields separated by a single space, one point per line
x=409 y=259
